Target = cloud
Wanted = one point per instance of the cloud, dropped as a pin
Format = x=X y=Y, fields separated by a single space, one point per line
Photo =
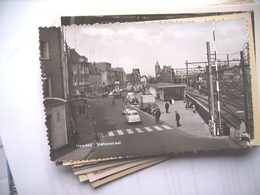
x=141 y=44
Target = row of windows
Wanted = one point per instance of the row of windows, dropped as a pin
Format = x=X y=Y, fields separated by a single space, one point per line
x=81 y=70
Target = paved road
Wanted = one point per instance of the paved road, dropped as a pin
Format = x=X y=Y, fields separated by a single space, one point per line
x=154 y=140
x=109 y=118
x=120 y=139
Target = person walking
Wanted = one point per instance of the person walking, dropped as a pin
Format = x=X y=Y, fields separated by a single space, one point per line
x=177 y=117
x=113 y=103
x=194 y=108
x=157 y=116
x=167 y=107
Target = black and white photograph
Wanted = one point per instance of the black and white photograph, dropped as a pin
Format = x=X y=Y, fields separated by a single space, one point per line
x=122 y=89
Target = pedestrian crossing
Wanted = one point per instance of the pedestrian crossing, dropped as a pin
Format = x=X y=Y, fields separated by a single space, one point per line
x=136 y=130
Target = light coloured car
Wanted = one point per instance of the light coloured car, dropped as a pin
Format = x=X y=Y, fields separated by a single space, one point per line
x=132 y=116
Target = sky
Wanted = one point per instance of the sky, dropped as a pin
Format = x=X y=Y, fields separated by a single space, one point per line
x=140 y=45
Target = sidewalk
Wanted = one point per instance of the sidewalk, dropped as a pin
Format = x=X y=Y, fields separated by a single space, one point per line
x=190 y=123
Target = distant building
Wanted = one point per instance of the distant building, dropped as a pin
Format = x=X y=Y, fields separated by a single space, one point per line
x=136 y=76
x=129 y=78
x=56 y=92
x=95 y=77
x=120 y=76
x=79 y=69
x=157 y=70
x=106 y=67
x=167 y=91
x=166 y=75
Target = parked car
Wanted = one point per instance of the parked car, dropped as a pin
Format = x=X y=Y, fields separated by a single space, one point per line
x=132 y=116
x=134 y=101
x=104 y=94
x=125 y=109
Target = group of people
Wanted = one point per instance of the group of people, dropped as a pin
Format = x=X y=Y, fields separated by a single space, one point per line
x=167 y=106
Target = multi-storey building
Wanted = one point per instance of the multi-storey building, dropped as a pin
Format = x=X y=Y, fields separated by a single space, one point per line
x=136 y=76
x=55 y=79
x=167 y=75
x=96 y=80
x=79 y=69
x=164 y=74
x=109 y=75
x=129 y=78
x=120 y=76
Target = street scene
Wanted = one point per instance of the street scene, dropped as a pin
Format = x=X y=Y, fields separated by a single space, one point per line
x=140 y=89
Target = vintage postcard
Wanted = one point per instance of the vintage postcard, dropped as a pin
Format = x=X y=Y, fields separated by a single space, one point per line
x=118 y=87
x=124 y=172
x=104 y=169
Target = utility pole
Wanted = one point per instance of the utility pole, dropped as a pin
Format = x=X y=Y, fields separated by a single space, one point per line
x=210 y=92
x=227 y=60
x=217 y=81
x=187 y=73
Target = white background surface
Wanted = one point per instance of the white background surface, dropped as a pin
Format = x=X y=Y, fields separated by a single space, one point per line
x=22 y=118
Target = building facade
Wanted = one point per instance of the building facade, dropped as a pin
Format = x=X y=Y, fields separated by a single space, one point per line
x=120 y=76
x=167 y=91
x=106 y=67
x=136 y=76
x=53 y=57
x=157 y=70
x=95 y=78
x=79 y=69
x=166 y=75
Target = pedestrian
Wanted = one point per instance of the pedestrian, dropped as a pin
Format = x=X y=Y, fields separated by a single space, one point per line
x=177 y=117
x=167 y=107
x=75 y=136
x=194 y=108
x=157 y=116
x=187 y=105
x=123 y=98
x=113 y=103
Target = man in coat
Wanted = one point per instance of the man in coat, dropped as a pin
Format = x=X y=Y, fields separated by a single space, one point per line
x=157 y=115
x=167 y=107
x=177 y=117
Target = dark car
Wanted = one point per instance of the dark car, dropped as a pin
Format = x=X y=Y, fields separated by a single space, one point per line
x=105 y=94
x=134 y=101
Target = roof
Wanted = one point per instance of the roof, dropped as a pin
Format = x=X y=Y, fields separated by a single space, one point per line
x=132 y=111
x=167 y=68
x=93 y=70
x=157 y=63
x=167 y=85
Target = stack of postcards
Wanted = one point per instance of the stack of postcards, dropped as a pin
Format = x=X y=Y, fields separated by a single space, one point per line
x=122 y=93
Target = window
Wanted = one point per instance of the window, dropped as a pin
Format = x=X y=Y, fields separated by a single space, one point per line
x=47 y=89
x=74 y=70
x=44 y=50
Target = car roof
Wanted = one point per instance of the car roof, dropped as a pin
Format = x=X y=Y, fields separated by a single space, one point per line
x=132 y=111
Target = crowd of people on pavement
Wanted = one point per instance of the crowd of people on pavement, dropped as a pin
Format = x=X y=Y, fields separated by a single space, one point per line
x=188 y=105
